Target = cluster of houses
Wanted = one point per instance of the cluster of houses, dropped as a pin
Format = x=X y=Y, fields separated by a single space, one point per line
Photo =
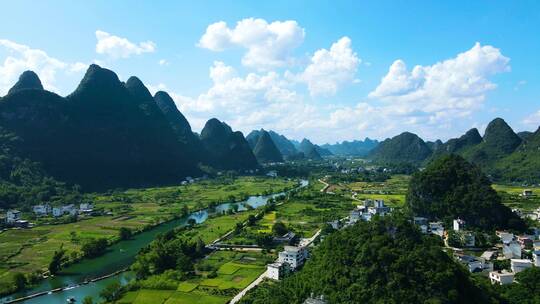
x=14 y=217
x=369 y=209
x=292 y=257
x=71 y=209
x=512 y=247
x=191 y=180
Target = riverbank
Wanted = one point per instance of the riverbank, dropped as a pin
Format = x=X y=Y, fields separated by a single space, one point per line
x=142 y=209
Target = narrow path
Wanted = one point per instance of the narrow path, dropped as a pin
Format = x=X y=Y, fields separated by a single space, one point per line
x=261 y=278
x=248 y=288
x=326 y=185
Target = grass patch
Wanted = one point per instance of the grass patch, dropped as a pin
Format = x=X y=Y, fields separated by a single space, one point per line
x=187 y=286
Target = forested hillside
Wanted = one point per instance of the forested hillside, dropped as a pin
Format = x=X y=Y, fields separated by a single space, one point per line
x=450 y=188
x=386 y=260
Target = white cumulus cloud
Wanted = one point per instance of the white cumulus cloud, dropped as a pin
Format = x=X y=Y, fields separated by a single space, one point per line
x=119 y=47
x=269 y=45
x=21 y=57
x=458 y=84
x=329 y=69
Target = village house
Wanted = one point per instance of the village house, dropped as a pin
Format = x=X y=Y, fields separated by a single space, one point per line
x=86 y=207
x=501 y=277
x=421 y=222
x=436 y=228
x=527 y=193
x=41 y=210
x=536 y=258
x=287 y=238
x=294 y=256
x=13 y=216
x=272 y=173
x=276 y=271
x=489 y=255
x=518 y=265
x=475 y=264
x=57 y=212
x=458 y=224
x=506 y=237
x=379 y=208
x=512 y=250
x=525 y=241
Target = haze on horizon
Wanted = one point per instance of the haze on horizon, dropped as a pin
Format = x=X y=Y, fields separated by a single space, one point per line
x=325 y=71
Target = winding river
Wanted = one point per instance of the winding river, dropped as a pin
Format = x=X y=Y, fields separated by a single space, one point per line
x=119 y=256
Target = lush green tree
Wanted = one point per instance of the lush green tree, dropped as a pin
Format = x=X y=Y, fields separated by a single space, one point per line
x=111 y=292
x=279 y=229
x=125 y=233
x=251 y=220
x=94 y=247
x=88 y=300
x=57 y=260
x=19 y=280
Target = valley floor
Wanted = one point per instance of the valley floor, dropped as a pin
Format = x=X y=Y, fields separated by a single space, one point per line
x=30 y=250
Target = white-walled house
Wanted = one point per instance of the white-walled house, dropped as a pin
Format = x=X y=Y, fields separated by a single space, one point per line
x=57 y=212
x=458 y=224
x=501 y=277
x=294 y=256
x=41 y=210
x=436 y=228
x=13 y=216
x=276 y=271
x=512 y=250
x=536 y=258
x=518 y=265
x=86 y=207
x=506 y=237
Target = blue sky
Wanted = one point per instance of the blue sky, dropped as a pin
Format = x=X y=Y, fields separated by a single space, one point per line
x=306 y=69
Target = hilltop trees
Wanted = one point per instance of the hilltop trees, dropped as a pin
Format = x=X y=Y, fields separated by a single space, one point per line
x=450 y=187
x=386 y=260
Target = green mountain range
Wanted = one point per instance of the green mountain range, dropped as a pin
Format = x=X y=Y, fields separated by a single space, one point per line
x=403 y=148
x=501 y=153
x=109 y=134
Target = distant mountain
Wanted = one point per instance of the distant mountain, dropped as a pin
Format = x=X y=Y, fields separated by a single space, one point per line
x=309 y=150
x=523 y=165
x=498 y=142
x=404 y=148
x=434 y=145
x=285 y=147
x=227 y=150
x=457 y=145
x=525 y=135
x=323 y=151
x=283 y=144
x=253 y=137
x=265 y=150
x=352 y=148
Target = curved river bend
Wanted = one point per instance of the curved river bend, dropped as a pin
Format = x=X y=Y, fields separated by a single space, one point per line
x=118 y=257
